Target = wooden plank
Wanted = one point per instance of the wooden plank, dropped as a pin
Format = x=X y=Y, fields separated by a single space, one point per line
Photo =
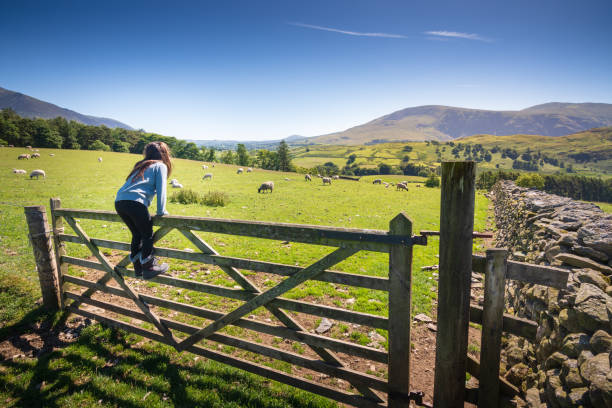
x=525 y=272
x=119 y=279
x=311 y=386
x=59 y=247
x=279 y=314
x=362 y=281
x=400 y=299
x=511 y=324
x=302 y=336
x=352 y=376
x=367 y=239
x=264 y=298
x=490 y=343
x=475 y=234
x=473 y=367
x=366 y=319
x=456 y=228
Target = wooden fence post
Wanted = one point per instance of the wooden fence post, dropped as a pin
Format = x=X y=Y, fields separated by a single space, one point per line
x=456 y=229
x=40 y=237
x=400 y=298
x=59 y=246
x=492 y=319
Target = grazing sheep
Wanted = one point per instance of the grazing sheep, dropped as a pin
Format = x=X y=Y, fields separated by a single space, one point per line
x=386 y=184
x=268 y=185
x=418 y=185
x=287 y=179
x=336 y=177
x=401 y=186
x=319 y=176
x=173 y=181
x=177 y=185
x=240 y=170
x=35 y=156
x=307 y=177
x=37 y=173
x=326 y=180
x=249 y=170
x=207 y=176
x=23 y=157
x=204 y=166
x=100 y=159
x=19 y=171
x=29 y=147
x=377 y=181
x=51 y=154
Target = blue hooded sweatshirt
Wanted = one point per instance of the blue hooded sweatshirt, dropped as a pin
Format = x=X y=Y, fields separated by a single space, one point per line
x=143 y=189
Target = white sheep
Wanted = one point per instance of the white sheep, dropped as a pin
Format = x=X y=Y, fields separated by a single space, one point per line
x=240 y=170
x=37 y=173
x=326 y=180
x=207 y=176
x=29 y=147
x=287 y=179
x=35 y=156
x=249 y=170
x=173 y=181
x=401 y=186
x=51 y=154
x=19 y=171
x=386 y=184
x=377 y=181
x=336 y=177
x=23 y=157
x=100 y=159
x=177 y=185
x=204 y=166
x=307 y=177
x=268 y=185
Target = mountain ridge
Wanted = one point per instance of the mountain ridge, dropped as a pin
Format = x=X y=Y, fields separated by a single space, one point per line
x=27 y=106
x=443 y=123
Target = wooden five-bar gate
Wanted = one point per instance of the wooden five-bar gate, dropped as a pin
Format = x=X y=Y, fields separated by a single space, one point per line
x=454 y=309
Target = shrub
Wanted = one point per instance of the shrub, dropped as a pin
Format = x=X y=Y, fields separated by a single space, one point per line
x=215 y=199
x=98 y=145
x=185 y=196
x=530 y=181
x=432 y=181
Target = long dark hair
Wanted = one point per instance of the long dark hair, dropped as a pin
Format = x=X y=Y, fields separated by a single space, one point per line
x=153 y=153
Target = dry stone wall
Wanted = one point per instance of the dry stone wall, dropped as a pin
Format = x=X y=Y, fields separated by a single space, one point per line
x=569 y=365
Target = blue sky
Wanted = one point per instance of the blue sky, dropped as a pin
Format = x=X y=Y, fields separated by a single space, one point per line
x=253 y=70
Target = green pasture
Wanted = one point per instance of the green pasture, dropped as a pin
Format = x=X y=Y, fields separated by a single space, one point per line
x=82 y=182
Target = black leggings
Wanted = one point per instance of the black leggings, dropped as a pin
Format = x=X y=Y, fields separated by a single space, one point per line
x=136 y=216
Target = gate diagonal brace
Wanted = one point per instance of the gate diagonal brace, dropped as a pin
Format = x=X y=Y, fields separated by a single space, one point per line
x=110 y=272
x=283 y=317
x=264 y=298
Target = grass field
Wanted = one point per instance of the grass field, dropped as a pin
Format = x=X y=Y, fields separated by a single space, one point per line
x=82 y=182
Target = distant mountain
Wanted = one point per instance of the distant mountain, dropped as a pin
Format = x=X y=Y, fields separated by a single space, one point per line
x=30 y=107
x=294 y=140
x=435 y=122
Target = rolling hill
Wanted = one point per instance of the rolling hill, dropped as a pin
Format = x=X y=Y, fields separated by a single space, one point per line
x=30 y=107
x=442 y=123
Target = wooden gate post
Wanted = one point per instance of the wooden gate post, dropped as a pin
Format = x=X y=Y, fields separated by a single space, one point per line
x=492 y=319
x=456 y=229
x=59 y=246
x=40 y=237
x=400 y=298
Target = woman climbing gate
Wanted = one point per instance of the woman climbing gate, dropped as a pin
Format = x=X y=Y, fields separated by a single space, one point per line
x=147 y=178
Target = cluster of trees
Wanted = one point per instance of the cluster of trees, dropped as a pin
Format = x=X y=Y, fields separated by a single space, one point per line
x=566 y=185
x=60 y=133
x=475 y=152
x=263 y=158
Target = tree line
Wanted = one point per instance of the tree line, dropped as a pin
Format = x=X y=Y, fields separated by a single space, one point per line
x=566 y=185
x=60 y=133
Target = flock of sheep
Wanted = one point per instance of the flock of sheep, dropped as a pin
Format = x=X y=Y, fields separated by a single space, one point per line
x=27 y=156
x=401 y=186
x=38 y=172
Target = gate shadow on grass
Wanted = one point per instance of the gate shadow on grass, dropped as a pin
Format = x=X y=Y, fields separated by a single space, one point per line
x=103 y=368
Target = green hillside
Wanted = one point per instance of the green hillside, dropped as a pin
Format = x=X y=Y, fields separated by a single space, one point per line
x=589 y=152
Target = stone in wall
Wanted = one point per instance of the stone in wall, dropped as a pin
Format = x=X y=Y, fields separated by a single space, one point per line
x=570 y=362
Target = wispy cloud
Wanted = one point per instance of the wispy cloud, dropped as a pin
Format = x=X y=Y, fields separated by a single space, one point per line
x=345 y=32
x=455 y=34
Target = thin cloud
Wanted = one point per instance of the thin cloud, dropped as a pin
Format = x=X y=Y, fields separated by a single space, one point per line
x=455 y=34
x=353 y=33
